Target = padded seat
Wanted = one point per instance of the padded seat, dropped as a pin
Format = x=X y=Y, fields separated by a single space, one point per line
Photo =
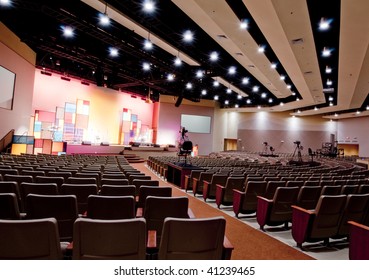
x=110 y=207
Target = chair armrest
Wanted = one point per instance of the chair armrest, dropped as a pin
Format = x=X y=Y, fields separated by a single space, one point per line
x=359 y=241
x=151 y=239
x=264 y=206
x=219 y=194
x=227 y=249
x=139 y=212
x=191 y=215
x=358 y=225
x=301 y=222
x=238 y=198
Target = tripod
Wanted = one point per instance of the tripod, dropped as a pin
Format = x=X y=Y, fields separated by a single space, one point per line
x=298 y=149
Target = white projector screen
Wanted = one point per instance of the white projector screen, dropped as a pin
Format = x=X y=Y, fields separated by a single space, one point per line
x=7 y=81
x=196 y=124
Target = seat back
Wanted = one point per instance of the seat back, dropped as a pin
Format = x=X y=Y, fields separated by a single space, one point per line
x=61 y=207
x=349 y=189
x=331 y=190
x=328 y=211
x=253 y=189
x=110 y=207
x=272 y=187
x=294 y=183
x=29 y=239
x=283 y=198
x=146 y=191
x=219 y=179
x=64 y=174
x=9 y=208
x=158 y=208
x=232 y=183
x=122 y=190
x=117 y=182
x=48 y=179
x=109 y=239
x=138 y=176
x=199 y=186
x=81 y=180
x=144 y=182
x=192 y=239
x=37 y=188
x=10 y=187
x=356 y=209
x=81 y=191
x=364 y=188
x=308 y=196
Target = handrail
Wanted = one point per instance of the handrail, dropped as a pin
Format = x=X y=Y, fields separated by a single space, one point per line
x=6 y=140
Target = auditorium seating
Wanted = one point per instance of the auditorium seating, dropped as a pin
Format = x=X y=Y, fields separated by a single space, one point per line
x=110 y=207
x=359 y=241
x=209 y=187
x=9 y=208
x=224 y=194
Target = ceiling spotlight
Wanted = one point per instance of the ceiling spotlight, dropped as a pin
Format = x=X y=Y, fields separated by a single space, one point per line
x=335 y=114
x=330 y=98
x=5 y=2
x=293 y=93
x=245 y=81
x=170 y=77
x=232 y=70
x=229 y=90
x=270 y=100
x=68 y=31
x=104 y=19
x=148 y=6
x=188 y=86
x=177 y=61
x=214 y=56
x=298 y=111
x=226 y=102
x=358 y=112
x=331 y=104
x=248 y=101
x=289 y=86
x=239 y=96
x=315 y=108
x=329 y=82
x=199 y=73
x=244 y=24
x=273 y=65
x=148 y=44
x=113 y=52
x=324 y=24
x=188 y=36
x=236 y=106
x=367 y=107
x=261 y=49
x=216 y=97
x=259 y=107
x=216 y=83
x=328 y=70
x=146 y=66
x=326 y=52
x=282 y=77
x=297 y=99
x=263 y=95
x=204 y=92
x=281 y=104
x=255 y=88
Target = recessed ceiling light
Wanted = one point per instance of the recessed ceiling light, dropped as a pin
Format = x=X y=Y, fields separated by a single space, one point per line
x=289 y=86
x=177 y=61
x=232 y=70
x=148 y=6
x=282 y=77
x=188 y=86
x=335 y=114
x=259 y=107
x=239 y=96
x=226 y=102
x=358 y=112
x=199 y=73
x=104 y=19
x=367 y=107
x=216 y=83
x=113 y=52
x=229 y=90
x=236 y=106
x=273 y=65
x=204 y=92
x=146 y=66
x=324 y=24
x=214 y=56
x=68 y=31
x=244 y=24
x=245 y=81
x=248 y=101
x=326 y=52
x=328 y=70
x=188 y=36
x=331 y=104
x=255 y=88
x=170 y=77
x=261 y=49
x=216 y=97
x=330 y=98
x=329 y=82
x=270 y=100
x=281 y=104
x=263 y=95
x=293 y=93
x=297 y=99
x=148 y=45
x=298 y=111
x=315 y=108
x=5 y=2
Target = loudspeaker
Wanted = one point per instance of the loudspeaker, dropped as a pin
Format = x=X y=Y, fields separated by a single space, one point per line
x=104 y=143
x=179 y=101
x=86 y=142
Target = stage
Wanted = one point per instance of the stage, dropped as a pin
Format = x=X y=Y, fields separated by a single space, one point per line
x=143 y=152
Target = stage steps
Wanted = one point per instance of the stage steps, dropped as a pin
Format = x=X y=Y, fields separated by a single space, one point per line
x=132 y=158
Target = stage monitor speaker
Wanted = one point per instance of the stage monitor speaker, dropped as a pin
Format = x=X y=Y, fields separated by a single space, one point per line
x=104 y=143
x=179 y=101
x=86 y=142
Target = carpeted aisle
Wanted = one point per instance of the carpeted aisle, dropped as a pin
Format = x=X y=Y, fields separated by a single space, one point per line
x=249 y=243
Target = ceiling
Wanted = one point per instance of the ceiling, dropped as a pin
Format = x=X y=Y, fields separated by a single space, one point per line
x=288 y=30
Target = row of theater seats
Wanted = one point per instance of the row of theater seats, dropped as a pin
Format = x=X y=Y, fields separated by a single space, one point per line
x=275 y=198
x=105 y=209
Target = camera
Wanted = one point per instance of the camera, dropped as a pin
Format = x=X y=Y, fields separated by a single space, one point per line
x=265 y=143
x=297 y=142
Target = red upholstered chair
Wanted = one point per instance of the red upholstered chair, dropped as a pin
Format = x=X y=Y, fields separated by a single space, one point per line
x=192 y=239
x=122 y=190
x=81 y=191
x=272 y=187
x=198 y=184
x=146 y=191
x=359 y=241
x=276 y=211
x=9 y=208
x=308 y=196
x=319 y=224
x=144 y=182
x=209 y=187
x=245 y=202
x=189 y=179
x=224 y=194
x=123 y=239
